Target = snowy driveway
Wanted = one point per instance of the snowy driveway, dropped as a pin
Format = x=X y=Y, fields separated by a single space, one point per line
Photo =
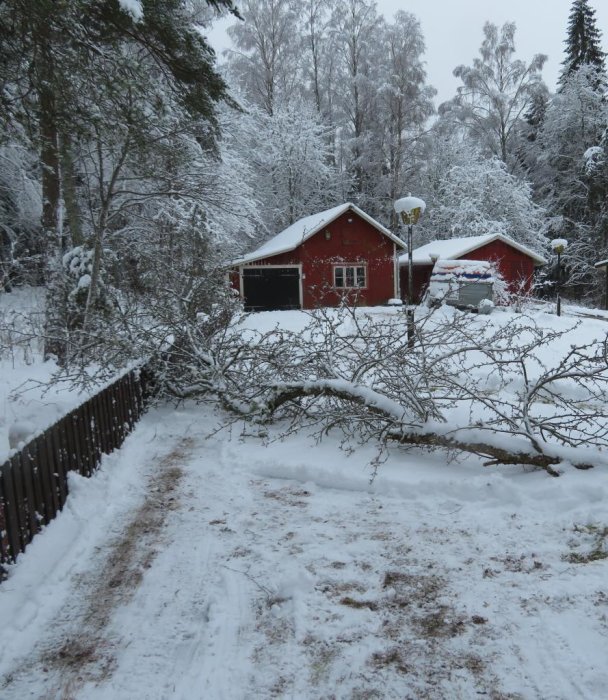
x=222 y=568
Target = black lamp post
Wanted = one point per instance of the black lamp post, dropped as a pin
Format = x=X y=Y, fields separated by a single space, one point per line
x=410 y=209
x=558 y=246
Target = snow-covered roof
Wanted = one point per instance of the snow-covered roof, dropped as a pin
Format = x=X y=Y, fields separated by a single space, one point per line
x=305 y=228
x=470 y=270
x=454 y=248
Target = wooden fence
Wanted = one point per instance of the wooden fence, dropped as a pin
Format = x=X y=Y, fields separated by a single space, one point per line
x=33 y=482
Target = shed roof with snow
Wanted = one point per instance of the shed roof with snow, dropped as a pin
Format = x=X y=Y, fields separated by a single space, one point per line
x=454 y=248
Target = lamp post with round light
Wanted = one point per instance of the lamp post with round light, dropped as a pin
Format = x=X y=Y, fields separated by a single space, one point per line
x=410 y=209
x=558 y=246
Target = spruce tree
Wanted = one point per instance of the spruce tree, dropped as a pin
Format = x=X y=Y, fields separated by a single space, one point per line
x=535 y=116
x=583 y=44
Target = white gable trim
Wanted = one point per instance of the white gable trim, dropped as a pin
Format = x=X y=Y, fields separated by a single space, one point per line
x=260 y=254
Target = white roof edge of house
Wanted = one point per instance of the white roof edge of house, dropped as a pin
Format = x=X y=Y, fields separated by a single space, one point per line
x=339 y=210
x=601 y=263
x=490 y=238
x=254 y=257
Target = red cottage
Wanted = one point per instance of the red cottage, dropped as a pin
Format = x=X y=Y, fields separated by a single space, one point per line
x=320 y=260
x=514 y=261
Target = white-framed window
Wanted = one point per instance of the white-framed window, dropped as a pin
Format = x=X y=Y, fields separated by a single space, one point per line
x=350 y=276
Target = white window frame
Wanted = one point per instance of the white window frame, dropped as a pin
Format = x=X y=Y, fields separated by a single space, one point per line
x=354 y=266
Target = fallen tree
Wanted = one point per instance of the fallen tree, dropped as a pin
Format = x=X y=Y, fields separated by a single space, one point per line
x=378 y=408
x=510 y=390
x=502 y=392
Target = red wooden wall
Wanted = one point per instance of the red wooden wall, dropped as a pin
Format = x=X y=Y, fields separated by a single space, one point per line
x=516 y=268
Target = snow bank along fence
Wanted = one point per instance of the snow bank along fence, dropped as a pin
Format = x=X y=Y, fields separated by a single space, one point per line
x=33 y=482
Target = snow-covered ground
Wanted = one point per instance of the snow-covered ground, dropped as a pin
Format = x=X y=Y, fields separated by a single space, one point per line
x=202 y=562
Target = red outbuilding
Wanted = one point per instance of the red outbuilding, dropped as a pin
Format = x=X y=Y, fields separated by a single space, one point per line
x=341 y=253
x=514 y=262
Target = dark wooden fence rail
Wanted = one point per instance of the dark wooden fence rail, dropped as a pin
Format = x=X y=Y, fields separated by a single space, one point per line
x=33 y=482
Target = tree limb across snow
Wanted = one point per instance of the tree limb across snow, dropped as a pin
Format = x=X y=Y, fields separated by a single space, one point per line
x=381 y=407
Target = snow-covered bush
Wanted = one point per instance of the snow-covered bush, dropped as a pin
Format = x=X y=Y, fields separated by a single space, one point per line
x=78 y=264
x=485 y=306
x=469 y=194
x=77 y=267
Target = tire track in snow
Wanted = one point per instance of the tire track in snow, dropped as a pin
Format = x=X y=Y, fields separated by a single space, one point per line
x=78 y=648
x=210 y=667
x=552 y=640
x=190 y=616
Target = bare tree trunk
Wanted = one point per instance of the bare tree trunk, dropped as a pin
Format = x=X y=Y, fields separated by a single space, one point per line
x=107 y=191
x=56 y=322
x=70 y=199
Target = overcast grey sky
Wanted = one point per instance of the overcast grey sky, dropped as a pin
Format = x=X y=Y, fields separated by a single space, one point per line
x=453 y=32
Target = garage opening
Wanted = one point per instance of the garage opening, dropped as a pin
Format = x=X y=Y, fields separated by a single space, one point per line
x=271 y=288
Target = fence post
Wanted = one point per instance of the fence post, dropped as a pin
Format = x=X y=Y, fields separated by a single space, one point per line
x=30 y=457
x=4 y=538
x=20 y=505
x=20 y=462
x=10 y=512
x=51 y=471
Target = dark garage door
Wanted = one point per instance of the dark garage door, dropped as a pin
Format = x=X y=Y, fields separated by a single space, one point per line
x=271 y=288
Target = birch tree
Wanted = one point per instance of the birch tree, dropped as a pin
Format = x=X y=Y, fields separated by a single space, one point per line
x=288 y=154
x=496 y=91
x=356 y=25
x=404 y=106
x=265 y=61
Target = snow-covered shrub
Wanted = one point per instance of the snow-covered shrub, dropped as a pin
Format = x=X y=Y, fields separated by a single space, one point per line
x=78 y=265
x=470 y=195
x=77 y=268
x=485 y=306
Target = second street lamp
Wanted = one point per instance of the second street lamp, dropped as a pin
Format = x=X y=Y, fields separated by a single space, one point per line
x=558 y=246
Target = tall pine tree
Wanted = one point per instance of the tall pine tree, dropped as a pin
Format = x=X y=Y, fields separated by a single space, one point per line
x=583 y=43
x=566 y=157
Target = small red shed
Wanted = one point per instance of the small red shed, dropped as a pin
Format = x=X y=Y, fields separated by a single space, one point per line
x=340 y=253
x=514 y=261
